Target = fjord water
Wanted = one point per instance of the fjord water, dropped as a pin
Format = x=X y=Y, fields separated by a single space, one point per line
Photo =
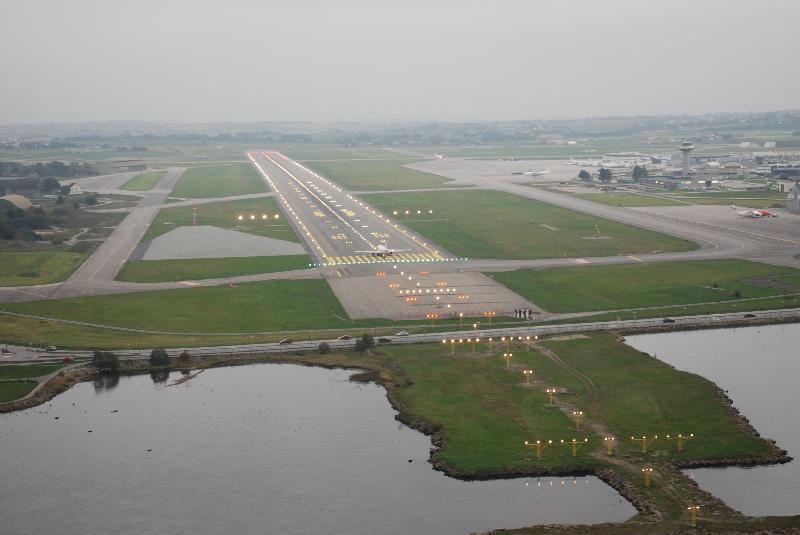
x=254 y=449
x=760 y=368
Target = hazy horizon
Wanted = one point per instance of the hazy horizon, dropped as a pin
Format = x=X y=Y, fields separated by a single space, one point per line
x=373 y=61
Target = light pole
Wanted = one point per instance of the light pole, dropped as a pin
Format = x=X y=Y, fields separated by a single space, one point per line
x=609 y=442
x=460 y=320
x=508 y=356
x=575 y=443
x=680 y=439
x=647 y=471
x=645 y=441
x=551 y=395
x=539 y=445
x=578 y=415
x=693 y=510
x=489 y=315
x=528 y=374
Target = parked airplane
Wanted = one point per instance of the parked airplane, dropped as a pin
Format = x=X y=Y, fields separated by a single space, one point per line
x=755 y=214
x=439 y=156
x=530 y=172
x=382 y=250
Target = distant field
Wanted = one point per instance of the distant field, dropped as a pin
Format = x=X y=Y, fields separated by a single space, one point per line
x=490 y=224
x=219 y=181
x=336 y=152
x=750 y=199
x=207 y=268
x=252 y=307
x=27 y=371
x=226 y=215
x=143 y=182
x=628 y=199
x=9 y=391
x=376 y=174
x=37 y=267
x=589 y=288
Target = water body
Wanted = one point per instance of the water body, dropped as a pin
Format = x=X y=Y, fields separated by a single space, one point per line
x=253 y=449
x=759 y=367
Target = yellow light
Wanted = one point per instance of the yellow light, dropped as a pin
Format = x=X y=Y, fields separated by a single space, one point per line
x=241 y=217
x=252 y=216
x=264 y=216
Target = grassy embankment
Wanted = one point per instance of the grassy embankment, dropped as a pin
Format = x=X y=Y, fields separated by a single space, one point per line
x=490 y=224
x=223 y=215
x=482 y=413
x=143 y=182
x=26 y=268
x=219 y=181
x=750 y=199
x=628 y=199
x=27 y=371
x=374 y=175
x=11 y=390
x=590 y=288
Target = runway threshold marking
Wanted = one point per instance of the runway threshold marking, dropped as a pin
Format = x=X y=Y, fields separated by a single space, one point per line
x=634 y=258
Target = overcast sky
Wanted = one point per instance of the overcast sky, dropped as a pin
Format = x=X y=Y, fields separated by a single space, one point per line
x=254 y=60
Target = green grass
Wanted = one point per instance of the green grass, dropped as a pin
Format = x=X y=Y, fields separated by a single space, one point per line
x=143 y=182
x=749 y=199
x=490 y=224
x=252 y=307
x=589 y=288
x=207 y=268
x=225 y=215
x=27 y=371
x=219 y=181
x=305 y=152
x=628 y=199
x=36 y=267
x=15 y=390
x=374 y=175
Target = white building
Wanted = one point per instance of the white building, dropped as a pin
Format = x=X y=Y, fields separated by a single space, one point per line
x=75 y=189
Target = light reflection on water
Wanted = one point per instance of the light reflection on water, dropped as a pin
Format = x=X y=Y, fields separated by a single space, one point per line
x=254 y=449
x=759 y=368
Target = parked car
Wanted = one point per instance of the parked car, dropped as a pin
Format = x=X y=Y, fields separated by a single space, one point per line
x=286 y=341
x=749 y=315
x=384 y=340
x=402 y=333
x=68 y=359
x=50 y=348
x=668 y=320
x=344 y=337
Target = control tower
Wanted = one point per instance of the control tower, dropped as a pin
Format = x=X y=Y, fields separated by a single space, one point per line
x=685 y=148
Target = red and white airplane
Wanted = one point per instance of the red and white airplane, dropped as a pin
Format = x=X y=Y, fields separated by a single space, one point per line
x=755 y=214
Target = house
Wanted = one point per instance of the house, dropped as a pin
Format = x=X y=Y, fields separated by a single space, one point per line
x=75 y=189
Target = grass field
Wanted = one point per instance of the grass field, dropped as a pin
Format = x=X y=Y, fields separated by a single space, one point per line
x=219 y=181
x=628 y=199
x=511 y=227
x=207 y=268
x=27 y=371
x=589 y=288
x=9 y=391
x=307 y=152
x=252 y=307
x=225 y=215
x=143 y=182
x=37 y=267
x=750 y=199
x=374 y=175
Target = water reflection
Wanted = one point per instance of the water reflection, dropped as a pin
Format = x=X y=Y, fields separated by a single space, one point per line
x=105 y=382
x=159 y=377
x=257 y=449
x=758 y=368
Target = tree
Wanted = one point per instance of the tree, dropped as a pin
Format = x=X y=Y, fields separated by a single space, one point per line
x=184 y=357
x=49 y=184
x=323 y=348
x=91 y=200
x=639 y=172
x=365 y=342
x=159 y=357
x=605 y=175
x=105 y=360
x=585 y=175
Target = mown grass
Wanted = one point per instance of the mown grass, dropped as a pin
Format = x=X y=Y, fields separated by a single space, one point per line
x=27 y=371
x=26 y=268
x=252 y=307
x=306 y=152
x=749 y=199
x=219 y=181
x=207 y=268
x=226 y=215
x=374 y=175
x=490 y=224
x=628 y=199
x=143 y=182
x=9 y=391
x=589 y=288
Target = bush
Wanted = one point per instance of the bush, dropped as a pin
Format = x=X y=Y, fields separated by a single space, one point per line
x=323 y=348
x=159 y=357
x=365 y=342
x=737 y=293
x=105 y=360
x=184 y=357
